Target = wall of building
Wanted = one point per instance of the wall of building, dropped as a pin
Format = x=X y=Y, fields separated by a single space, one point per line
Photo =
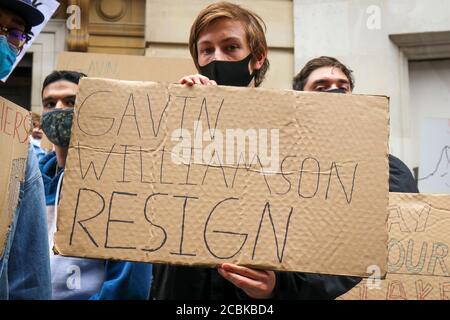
x=376 y=38
x=430 y=98
x=117 y=26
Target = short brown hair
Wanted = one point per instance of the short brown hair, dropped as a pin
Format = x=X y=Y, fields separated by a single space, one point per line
x=301 y=78
x=252 y=23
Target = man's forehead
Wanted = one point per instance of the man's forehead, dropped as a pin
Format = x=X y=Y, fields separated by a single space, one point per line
x=62 y=87
x=223 y=28
x=327 y=73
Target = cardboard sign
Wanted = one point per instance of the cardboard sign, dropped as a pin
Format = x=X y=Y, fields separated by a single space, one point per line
x=419 y=264
x=270 y=179
x=15 y=124
x=126 y=67
x=401 y=287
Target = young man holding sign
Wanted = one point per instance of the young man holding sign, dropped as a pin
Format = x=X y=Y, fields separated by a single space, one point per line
x=24 y=266
x=228 y=45
x=76 y=278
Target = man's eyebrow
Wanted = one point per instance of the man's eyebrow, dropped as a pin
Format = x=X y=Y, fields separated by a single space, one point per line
x=204 y=42
x=51 y=98
x=321 y=81
x=47 y=99
x=344 y=81
x=231 y=38
x=324 y=81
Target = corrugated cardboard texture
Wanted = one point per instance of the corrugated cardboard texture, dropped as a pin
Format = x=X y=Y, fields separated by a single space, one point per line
x=14 y=127
x=419 y=237
x=402 y=287
x=321 y=208
x=126 y=67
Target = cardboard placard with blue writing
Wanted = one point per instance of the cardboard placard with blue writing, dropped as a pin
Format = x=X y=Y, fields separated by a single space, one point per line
x=418 y=248
x=15 y=124
x=203 y=175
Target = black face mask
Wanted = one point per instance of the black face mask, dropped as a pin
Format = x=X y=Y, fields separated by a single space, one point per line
x=336 y=91
x=229 y=73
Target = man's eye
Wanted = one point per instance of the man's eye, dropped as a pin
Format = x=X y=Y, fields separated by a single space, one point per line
x=232 y=47
x=16 y=34
x=206 y=51
x=49 y=105
x=320 y=89
x=70 y=102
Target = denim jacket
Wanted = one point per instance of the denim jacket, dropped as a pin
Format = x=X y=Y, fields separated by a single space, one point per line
x=94 y=279
x=25 y=266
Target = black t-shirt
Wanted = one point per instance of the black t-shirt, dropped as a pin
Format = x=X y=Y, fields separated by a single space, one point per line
x=400 y=177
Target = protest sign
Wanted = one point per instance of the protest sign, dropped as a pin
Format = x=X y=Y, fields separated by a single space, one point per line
x=203 y=175
x=419 y=238
x=126 y=67
x=15 y=124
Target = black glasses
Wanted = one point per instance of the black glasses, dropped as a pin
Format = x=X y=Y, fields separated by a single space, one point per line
x=15 y=37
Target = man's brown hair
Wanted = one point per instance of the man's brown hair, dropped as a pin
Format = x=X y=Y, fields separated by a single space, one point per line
x=253 y=26
x=301 y=78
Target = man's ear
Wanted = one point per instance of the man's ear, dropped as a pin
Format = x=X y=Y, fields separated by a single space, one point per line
x=259 y=63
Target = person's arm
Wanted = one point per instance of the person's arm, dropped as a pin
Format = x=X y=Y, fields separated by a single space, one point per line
x=125 y=281
x=305 y=286
x=29 y=263
x=400 y=177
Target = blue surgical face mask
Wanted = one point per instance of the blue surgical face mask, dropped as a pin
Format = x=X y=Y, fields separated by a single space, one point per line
x=8 y=54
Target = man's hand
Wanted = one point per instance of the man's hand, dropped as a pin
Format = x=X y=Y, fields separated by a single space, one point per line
x=197 y=79
x=258 y=284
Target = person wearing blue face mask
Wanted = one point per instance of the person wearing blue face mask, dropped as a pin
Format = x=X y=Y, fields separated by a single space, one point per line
x=77 y=278
x=24 y=266
x=17 y=17
x=8 y=54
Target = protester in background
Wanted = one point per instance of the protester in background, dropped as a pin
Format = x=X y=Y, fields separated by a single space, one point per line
x=327 y=74
x=228 y=46
x=17 y=17
x=76 y=278
x=36 y=136
x=24 y=267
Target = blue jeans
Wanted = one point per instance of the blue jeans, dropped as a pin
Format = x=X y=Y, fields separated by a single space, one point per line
x=25 y=265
